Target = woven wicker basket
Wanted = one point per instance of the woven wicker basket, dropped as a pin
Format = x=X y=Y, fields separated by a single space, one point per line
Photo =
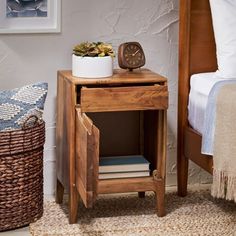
x=21 y=176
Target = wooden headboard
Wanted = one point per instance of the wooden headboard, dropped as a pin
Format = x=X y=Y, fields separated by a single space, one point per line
x=197 y=53
x=202 y=48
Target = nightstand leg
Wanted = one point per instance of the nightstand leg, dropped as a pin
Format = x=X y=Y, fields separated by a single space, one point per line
x=73 y=205
x=141 y=194
x=59 y=192
x=160 y=198
x=161 y=161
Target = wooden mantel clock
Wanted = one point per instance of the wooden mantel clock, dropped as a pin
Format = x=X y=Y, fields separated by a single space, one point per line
x=131 y=56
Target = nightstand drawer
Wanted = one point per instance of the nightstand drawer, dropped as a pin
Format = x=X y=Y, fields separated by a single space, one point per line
x=124 y=98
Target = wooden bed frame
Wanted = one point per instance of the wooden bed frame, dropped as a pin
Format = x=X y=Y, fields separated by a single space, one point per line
x=197 y=53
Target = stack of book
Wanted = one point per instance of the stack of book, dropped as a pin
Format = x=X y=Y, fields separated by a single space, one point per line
x=123 y=167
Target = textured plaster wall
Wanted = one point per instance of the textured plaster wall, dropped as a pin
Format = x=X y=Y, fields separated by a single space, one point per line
x=28 y=58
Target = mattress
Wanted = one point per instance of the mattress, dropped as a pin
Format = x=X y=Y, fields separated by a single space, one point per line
x=200 y=87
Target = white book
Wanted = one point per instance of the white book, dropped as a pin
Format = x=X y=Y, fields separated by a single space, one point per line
x=117 y=175
x=123 y=164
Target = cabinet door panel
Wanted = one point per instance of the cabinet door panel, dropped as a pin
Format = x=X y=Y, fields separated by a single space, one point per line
x=87 y=158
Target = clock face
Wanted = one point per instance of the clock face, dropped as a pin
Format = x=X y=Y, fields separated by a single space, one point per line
x=131 y=55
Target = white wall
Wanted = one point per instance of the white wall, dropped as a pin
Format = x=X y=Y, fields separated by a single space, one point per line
x=28 y=58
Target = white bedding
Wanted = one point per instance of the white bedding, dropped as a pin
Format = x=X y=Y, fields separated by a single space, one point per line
x=200 y=87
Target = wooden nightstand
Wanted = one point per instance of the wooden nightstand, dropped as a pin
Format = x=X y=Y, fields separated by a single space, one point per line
x=121 y=115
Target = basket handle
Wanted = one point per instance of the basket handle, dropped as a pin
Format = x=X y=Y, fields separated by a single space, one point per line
x=26 y=122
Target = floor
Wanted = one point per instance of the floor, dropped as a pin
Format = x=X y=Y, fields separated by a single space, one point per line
x=19 y=232
x=25 y=231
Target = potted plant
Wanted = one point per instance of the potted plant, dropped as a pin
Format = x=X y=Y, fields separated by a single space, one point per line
x=92 y=60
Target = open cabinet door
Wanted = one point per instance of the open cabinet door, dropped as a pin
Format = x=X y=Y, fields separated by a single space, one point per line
x=87 y=158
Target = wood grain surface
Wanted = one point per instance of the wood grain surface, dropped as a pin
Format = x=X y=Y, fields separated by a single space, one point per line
x=78 y=139
x=124 y=98
x=197 y=54
x=119 y=77
x=87 y=158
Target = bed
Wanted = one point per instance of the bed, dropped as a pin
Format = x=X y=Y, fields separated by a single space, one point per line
x=197 y=54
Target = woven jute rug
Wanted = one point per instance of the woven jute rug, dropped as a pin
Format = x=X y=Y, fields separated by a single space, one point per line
x=121 y=215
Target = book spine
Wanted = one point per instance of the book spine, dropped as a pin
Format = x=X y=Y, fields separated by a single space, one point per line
x=130 y=168
x=124 y=175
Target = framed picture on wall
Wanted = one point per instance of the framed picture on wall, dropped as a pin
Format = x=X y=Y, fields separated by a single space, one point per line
x=30 y=16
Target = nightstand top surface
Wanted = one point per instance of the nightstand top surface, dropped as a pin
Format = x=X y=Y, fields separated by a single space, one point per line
x=119 y=77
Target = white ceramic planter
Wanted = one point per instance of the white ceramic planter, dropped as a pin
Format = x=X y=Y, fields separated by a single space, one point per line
x=92 y=67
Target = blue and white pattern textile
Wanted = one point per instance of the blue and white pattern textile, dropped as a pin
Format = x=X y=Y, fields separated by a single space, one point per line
x=17 y=105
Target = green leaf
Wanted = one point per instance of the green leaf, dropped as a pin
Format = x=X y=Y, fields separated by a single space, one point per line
x=94 y=49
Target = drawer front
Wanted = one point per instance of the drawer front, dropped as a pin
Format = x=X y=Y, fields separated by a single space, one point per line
x=124 y=98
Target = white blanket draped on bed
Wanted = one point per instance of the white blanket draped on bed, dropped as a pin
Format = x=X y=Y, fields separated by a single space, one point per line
x=219 y=138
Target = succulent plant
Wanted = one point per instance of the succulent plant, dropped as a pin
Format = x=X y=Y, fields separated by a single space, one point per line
x=98 y=49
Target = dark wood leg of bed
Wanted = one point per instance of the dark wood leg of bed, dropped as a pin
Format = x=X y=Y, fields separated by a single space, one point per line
x=182 y=175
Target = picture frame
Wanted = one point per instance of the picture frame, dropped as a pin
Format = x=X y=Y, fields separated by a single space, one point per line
x=30 y=16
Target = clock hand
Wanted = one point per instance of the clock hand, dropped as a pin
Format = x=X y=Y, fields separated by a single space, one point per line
x=135 y=53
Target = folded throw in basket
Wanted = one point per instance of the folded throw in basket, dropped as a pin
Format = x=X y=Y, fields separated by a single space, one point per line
x=17 y=105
